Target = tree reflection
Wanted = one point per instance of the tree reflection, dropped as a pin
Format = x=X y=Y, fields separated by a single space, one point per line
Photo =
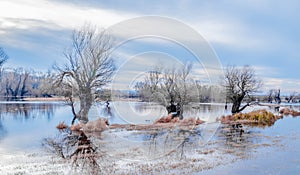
x=78 y=149
x=164 y=142
x=237 y=140
x=3 y=131
x=26 y=111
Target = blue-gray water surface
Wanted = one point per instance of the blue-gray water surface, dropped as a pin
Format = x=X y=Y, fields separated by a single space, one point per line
x=23 y=125
x=281 y=158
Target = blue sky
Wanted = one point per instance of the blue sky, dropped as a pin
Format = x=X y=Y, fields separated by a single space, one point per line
x=262 y=33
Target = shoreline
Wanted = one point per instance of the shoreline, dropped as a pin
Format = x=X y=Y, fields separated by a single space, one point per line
x=44 y=99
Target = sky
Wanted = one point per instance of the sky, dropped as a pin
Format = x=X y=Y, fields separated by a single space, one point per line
x=264 y=34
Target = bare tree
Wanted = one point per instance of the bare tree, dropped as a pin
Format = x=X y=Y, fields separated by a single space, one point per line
x=3 y=59
x=16 y=82
x=240 y=83
x=88 y=68
x=291 y=97
x=19 y=82
x=168 y=85
x=277 y=96
x=3 y=56
x=183 y=87
x=270 y=95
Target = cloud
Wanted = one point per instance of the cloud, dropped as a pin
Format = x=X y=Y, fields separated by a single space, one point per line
x=286 y=85
x=28 y=33
x=272 y=79
x=135 y=67
x=58 y=13
x=34 y=33
x=229 y=33
x=263 y=34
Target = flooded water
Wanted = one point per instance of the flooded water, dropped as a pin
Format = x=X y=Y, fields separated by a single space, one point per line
x=24 y=124
x=281 y=154
x=270 y=150
x=145 y=113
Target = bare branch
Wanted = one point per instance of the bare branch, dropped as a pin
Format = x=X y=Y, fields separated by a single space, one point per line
x=89 y=66
x=240 y=82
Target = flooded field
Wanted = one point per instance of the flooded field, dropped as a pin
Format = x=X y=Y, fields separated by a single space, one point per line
x=31 y=144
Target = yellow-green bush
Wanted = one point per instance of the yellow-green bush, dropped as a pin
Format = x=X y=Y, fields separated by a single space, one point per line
x=260 y=117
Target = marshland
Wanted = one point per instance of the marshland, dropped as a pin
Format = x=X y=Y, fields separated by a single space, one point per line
x=31 y=143
x=132 y=87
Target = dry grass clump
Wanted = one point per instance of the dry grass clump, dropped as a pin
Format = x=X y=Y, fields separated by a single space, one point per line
x=96 y=125
x=259 y=117
x=91 y=126
x=226 y=119
x=62 y=126
x=186 y=121
x=287 y=111
x=161 y=123
x=101 y=124
x=76 y=127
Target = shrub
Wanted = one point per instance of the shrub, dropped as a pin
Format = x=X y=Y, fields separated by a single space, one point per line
x=259 y=117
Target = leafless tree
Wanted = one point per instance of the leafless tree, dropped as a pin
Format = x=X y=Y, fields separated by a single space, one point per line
x=183 y=87
x=3 y=56
x=88 y=68
x=291 y=97
x=270 y=95
x=3 y=59
x=240 y=83
x=168 y=85
x=277 y=96
x=16 y=82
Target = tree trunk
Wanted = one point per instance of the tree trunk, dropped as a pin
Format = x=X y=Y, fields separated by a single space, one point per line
x=181 y=112
x=23 y=89
x=86 y=101
x=236 y=106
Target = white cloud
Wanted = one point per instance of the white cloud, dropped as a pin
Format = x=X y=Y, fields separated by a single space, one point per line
x=229 y=32
x=22 y=19
x=134 y=67
x=57 y=13
x=285 y=84
x=54 y=14
x=270 y=79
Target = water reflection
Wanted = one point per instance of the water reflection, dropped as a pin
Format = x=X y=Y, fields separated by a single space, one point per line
x=3 y=131
x=145 y=113
x=177 y=141
x=239 y=140
x=30 y=122
x=77 y=148
x=24 y=124
x=26 y=110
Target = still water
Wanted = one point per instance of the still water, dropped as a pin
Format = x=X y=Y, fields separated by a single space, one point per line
x=23 y=125
x=282 y=156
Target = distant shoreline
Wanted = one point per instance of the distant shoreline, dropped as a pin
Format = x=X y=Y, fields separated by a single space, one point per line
x=44 y=99
x=63 y=99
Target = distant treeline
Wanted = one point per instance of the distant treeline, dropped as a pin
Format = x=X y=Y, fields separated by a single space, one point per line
x=16 y=83
x=19 y=82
